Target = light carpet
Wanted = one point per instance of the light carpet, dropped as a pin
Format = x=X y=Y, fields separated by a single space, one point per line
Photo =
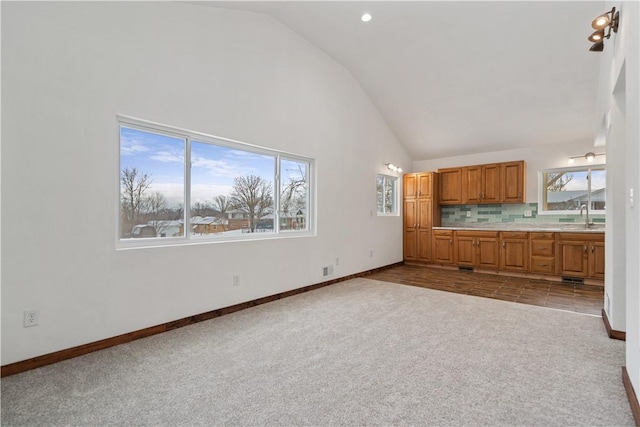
x=359 y=352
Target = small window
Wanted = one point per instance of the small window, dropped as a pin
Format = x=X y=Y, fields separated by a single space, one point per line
x=387 y=195
x=566 y=190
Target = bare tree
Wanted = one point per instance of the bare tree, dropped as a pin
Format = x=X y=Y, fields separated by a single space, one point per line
x=200 y=208
x=253 y=196
x=134 y=184
x=558 y=181
x=156 y=208
x=223 y=205
x=293 y=194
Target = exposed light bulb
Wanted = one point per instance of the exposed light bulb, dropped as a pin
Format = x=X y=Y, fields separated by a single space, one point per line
x=399 y=170
x=366 y=17
x=391 y=166
x=571 y=160
x=590 y=156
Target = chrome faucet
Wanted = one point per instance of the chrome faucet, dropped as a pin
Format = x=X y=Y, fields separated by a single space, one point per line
x=587 y=224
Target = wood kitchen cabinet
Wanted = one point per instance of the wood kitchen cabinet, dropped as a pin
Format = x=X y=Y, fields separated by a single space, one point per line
x=420 y=214
x=489 y=183
x=443 y=246
x=514 y=251
x=450 y=188
x=581 y=255
x=481 y=184
x=477 y=249
x=513 y=182
x=542 y=247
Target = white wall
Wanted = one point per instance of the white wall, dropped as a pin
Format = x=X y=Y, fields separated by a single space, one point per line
x=69 y=68
x=537 y=158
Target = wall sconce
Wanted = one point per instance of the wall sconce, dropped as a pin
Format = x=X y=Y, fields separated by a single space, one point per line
x=590 y=157
x=608 y=21
x=394 y=168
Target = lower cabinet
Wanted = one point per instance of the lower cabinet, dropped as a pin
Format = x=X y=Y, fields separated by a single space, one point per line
x=514 y=251
x=477 y=249
x=581 y=255
x=543 y=255
x=554 y=254
x=443 y=246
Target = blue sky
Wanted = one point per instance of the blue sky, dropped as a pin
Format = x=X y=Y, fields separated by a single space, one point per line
x=213 y=167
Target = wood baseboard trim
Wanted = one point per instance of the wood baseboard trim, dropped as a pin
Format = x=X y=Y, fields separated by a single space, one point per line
x=59 y=356
x=613 y=334
x=631 y=394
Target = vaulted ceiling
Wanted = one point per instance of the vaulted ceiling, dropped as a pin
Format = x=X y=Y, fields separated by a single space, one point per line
x=453 y=78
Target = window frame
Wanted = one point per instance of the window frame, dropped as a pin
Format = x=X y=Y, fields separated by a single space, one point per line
x=396 y=205
x=193 y=136
x=541 y=189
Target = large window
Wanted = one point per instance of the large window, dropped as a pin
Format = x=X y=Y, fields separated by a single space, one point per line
x=387 y=195
x=566 y=190
x=181 y=185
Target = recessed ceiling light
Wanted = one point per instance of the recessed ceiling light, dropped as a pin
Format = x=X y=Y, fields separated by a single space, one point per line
x=366 y=17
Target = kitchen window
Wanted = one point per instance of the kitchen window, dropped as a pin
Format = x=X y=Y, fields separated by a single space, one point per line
x=566 y=190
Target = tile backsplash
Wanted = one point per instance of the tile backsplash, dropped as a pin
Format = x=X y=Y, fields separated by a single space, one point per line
x=508 y=213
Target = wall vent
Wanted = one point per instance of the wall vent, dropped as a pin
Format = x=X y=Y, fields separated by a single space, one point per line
x=460 y=268
x=573 y=280
x=327 y=270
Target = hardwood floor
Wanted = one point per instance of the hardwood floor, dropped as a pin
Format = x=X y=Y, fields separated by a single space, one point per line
x=586 y=299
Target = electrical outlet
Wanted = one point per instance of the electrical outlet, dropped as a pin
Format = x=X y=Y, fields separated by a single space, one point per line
x=236 y=280
x=327 y=270
x=371 y=253
x=527 y=214
x=337 y=261
x=31 y=318
x=468 y=214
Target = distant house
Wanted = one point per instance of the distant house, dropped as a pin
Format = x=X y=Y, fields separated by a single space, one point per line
x=206 y=225
x=167 y=228
x=572 y=200
x=143 y=230
x=238 y=220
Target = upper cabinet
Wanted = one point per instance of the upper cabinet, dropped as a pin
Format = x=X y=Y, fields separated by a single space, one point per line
x=490 y=183
x=450 y=186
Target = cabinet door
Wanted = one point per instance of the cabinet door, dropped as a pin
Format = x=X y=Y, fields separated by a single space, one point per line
x=472 y=184
x=573 y=258
x=410 y=185
x=443 y=248
x=425 y=185
x=513 y=182
x=488 y=252
x=425 y=213
x=424 y=244
x=411 y=244
x=450 y=186
x=410 y=219
x=514 y=254
x=465 y=250
x=490 y=191
x=596 y=260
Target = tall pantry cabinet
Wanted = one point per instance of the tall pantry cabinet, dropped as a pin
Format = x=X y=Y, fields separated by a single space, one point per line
x=421 y=213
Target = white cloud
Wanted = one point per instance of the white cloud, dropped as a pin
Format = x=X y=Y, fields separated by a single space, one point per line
x=167 y=157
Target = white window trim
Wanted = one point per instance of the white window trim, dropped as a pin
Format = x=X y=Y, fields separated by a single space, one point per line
x=541 y=211
x=189 y=136
x=396 y=191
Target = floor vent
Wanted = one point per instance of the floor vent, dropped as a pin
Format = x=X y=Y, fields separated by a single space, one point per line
x=573 y=280
x=465 y=269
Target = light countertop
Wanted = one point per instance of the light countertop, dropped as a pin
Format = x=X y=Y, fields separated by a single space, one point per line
x=513 y=226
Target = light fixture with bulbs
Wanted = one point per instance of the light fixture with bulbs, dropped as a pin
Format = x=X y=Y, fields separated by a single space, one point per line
x=394 y=168
x=607 y=21
x=590 y=157
x=366 y=17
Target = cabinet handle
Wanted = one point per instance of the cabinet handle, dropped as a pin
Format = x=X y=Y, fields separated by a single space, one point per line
x=593 y=248
x=503 y=244
x=543 y=265
x=450 y=241
x=585 y=249
x=543 y=248
x=418 y=225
